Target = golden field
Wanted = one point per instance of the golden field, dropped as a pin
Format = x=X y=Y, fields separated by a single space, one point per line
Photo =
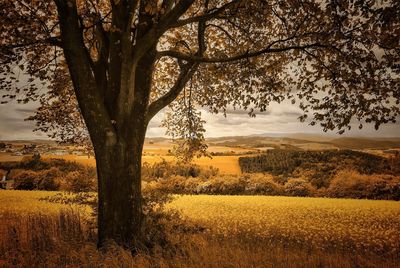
x=240 y=231
x=314 y=221
x=320 y=223
x=31 y=202
x=225 y=164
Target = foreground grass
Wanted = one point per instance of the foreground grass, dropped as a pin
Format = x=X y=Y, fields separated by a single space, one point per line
x=241 y=231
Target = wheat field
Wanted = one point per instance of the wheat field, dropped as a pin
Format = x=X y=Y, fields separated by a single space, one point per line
x=28 y=202
x=225 y=164
x=239 y=231
x=322 y=223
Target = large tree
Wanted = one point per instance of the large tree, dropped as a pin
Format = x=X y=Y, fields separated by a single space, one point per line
x=125 y=60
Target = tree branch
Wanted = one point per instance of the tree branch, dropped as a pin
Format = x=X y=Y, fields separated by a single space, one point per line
x=151 y=37
x=187 y=71
x=89 y=98
x=54 y=41
x=195 y=58
x=205 y=17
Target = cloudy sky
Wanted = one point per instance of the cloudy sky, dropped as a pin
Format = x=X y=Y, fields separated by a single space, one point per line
x=279 y=119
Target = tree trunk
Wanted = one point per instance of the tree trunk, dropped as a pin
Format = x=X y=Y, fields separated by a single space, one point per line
x=114 y=104
x=119 y=191
x=119 y=158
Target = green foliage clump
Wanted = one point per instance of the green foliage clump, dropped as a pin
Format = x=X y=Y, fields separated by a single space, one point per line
x=254 y=184
x=25 y=180
x=34 y=173
x=298 y=187
x=82 y=180
x=352 y=184
x=319 y=166
x=166 y=170
x=262 y=184
x=343 y=184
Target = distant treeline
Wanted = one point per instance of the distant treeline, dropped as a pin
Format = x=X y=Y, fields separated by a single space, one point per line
x=344 y=174
x=345 y=184
x=348 y=175
x=318 y=166
x=35 y=173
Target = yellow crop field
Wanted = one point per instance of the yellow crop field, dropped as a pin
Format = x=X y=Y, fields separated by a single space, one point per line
x=30 y=202
x=4 y=157
x=318 y=222
x=256 y=231
x=225 y=164
x=26 y=202
x=75 y=158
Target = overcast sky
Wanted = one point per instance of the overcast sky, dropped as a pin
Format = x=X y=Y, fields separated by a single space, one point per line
x=279 y=119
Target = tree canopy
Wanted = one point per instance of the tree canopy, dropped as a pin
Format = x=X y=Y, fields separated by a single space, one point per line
x=338 y=60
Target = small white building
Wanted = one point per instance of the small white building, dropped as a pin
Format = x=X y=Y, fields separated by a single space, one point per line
x=7 y=184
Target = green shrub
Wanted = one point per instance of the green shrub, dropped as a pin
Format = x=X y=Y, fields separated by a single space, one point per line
x=225 y=184
x=351 y=184
x=49 y=179
x=164 y=170
x=79 y=181
x=25 y=180
x=298 y=187
x=33 y=173
x=262 y=184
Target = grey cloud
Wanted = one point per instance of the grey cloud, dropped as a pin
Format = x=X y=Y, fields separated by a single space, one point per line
x=154 y=124
x=279 y=118
x=12 y=123
x=25 y=110
x=267 y=112
x=243 y=112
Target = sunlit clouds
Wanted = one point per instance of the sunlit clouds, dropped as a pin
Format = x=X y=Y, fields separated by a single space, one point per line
x=278 y=120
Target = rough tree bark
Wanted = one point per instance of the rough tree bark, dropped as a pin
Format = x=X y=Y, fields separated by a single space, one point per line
x=120 y=200
x=119 y=168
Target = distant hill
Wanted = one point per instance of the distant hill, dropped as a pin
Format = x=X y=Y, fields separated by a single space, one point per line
x=366 y=143
x=157 y=140
x=306 y=142
x=246 y=141
x=36 y=141
x=289 y=141
x=311 y=137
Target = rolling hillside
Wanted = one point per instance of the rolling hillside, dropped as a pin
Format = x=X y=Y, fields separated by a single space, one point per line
x=307 y=142
x=366 y=143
